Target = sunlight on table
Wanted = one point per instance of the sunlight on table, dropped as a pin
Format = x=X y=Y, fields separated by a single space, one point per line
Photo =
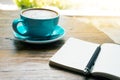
x=88 y=8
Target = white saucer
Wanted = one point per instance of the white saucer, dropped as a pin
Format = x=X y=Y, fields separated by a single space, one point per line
x=59 y=32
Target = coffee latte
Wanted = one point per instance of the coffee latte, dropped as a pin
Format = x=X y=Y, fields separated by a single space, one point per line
x=39 y=14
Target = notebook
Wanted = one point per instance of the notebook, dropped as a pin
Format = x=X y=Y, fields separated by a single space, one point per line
x=89 y=58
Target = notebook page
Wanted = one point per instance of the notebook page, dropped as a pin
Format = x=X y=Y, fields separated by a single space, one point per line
x=75 y=53
x=108 y=60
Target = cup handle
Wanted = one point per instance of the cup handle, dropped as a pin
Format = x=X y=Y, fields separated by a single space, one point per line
x=15 y=24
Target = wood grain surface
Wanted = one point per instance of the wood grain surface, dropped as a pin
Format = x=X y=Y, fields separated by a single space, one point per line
x=25 y=61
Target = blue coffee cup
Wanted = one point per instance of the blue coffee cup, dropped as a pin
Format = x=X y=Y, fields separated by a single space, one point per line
x=36 y=22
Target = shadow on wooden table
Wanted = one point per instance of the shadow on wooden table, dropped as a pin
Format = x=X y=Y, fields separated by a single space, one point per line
x=28 y=46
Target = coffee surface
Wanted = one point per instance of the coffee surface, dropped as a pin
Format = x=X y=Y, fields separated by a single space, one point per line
x=39 y=14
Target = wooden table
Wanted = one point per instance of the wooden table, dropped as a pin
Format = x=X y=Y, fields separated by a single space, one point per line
x=24 y=61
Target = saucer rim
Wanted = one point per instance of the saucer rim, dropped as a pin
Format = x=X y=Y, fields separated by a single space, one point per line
x=43 y=41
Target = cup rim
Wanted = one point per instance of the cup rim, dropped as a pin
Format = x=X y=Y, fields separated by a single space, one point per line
x=40 y=9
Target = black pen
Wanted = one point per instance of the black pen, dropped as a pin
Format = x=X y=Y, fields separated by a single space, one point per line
x=92 y=60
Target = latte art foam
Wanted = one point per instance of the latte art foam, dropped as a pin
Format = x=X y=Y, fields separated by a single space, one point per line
x=39 y=14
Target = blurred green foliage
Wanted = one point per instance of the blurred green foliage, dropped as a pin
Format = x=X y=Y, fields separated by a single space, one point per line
x=23 y=4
